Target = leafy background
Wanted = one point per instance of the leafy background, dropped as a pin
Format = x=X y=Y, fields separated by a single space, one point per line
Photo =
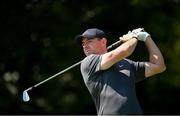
x=37 y=41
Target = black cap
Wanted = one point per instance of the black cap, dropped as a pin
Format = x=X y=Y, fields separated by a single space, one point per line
x=90 y=34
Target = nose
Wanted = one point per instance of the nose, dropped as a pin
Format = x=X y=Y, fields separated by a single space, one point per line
x=84 y=45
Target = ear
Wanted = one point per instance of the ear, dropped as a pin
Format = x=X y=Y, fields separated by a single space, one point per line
x=104 y=41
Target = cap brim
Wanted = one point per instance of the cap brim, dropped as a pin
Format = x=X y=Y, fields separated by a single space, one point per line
x=79 y=38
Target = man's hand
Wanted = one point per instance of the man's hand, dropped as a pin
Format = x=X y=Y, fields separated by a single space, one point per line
x=141 y=34
x=128 y=36
x=135 y=31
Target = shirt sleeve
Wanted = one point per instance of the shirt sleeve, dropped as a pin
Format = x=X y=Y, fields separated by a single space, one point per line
x=139 y=71
x=90 y=65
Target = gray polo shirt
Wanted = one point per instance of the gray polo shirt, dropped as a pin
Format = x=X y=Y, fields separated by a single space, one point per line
x=113 y=90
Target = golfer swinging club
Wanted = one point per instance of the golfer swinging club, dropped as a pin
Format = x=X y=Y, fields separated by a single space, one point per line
x=110 y=77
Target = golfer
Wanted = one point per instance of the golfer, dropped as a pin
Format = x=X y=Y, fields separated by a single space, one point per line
x=110 y=77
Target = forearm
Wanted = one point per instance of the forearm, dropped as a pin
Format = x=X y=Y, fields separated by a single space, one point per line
x=123 y=51
x=156 y=61
x=118 y=54
x=127 y=47
x=155 y=55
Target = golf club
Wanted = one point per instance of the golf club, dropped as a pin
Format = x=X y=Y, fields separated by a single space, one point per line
x=25 y=92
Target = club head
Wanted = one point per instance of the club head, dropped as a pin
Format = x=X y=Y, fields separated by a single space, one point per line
x=25 y=96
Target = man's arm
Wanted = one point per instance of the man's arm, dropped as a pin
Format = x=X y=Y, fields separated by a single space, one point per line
x=156 y=61
x=123 y=51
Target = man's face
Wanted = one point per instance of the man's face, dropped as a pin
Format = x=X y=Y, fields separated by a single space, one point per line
x=92 y=46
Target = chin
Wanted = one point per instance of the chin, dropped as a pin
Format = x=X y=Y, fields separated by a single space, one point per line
x=87 y=54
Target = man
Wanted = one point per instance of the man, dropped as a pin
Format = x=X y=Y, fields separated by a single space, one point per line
x=110 y=77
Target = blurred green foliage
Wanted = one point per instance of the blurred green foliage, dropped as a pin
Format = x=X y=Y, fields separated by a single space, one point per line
x=37 y=42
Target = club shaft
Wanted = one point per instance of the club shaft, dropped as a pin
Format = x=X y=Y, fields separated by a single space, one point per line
x=114 y=44
x=70 y=67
